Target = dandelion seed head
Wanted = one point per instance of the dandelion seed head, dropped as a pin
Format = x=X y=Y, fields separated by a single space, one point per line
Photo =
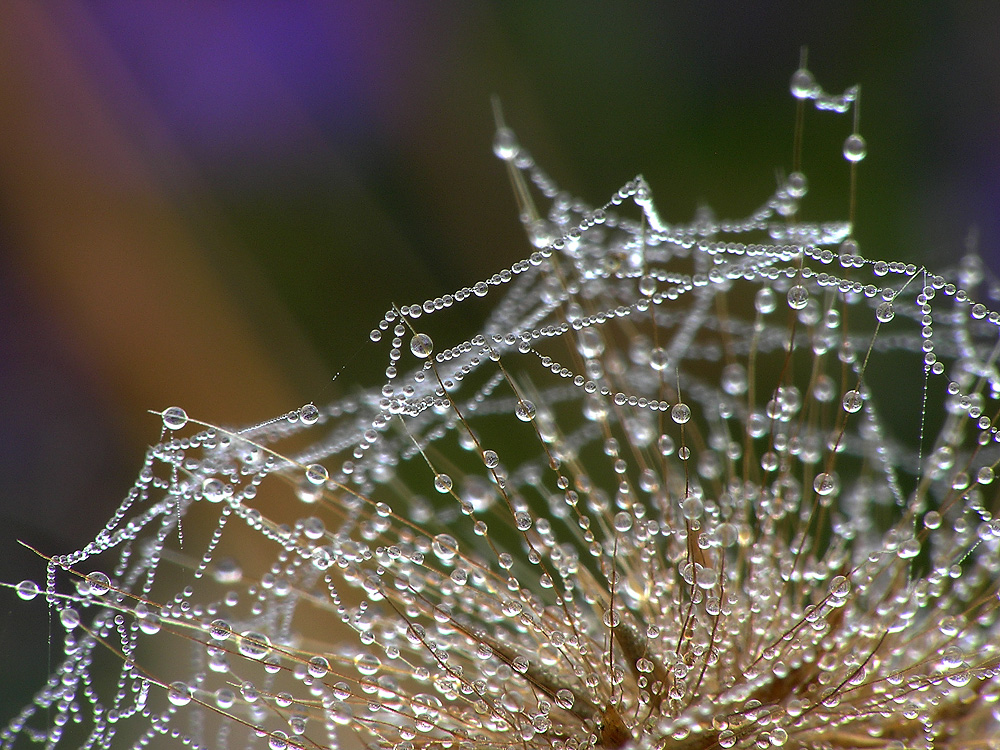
x=727 y=483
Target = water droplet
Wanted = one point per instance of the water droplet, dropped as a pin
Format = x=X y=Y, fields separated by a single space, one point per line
x=855 y=148
x=174 y=418
x=442 y=483
x=421 y=345
x=853 y=402
x=885 y=312
x=798 y=297
x=623 y=521
x=564 y=699
x=69 y=618
x=525 y=410
x=220 y=630
x=505 y=144
x=658 y=358
x=825 y=484
x=309 y=414
x=27 y=590
x=179 y=693
x=317 y=474
x=445 y=546
x=213 y=490
x=764 y=301
x=803 y=86
x=840 y=587
x=681 y=413
x=491 y=459
x=98 y=584
x=254 y=645
x=341 y=713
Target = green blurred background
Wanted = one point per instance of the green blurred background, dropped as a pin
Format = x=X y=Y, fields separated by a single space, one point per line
x=211 y=204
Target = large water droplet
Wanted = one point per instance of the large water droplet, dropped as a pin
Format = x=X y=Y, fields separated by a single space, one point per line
x=174 y=418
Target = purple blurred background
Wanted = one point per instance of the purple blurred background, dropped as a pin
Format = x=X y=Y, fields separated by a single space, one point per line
x=210 y=204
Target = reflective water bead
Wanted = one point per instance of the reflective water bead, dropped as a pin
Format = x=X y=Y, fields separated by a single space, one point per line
x=98 y=583
x=442 y=483
x=525 y=410
x=797 y=184
x=174 y=418
x=797 y=297
x=317 y=474
x=840 y=587
x=254 y=645
x=318 y=667
x=220 y=630
x=623 y=521
x=309 y=414
x=853 y=402
x=803 y=86
x=734 y=379
x=564 y=699
x=69 y=618
x=213 y=490
x=505 y=144
x=179 y=693
x=764 y=300
x=825 y=484
x=421 y=345
x=658 y=358
x=27 y=590
x=491 y=459
x=855 y=148
x=885 y=312
x=681 y=413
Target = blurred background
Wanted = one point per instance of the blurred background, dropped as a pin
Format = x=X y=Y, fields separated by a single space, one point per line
x=211 y=204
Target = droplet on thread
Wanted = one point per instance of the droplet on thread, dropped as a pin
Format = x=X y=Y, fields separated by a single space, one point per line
x=174 y=418
x=421 y=345
x=855 y=148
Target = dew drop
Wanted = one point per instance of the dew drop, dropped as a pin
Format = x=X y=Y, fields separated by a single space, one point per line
x=885 y=312
x=803 y=86
x=853 y=402
x=564 y=699
x=623 y=521
x=309 y=414
x=491 y=459
x=797 y=297
x=445 y=547
x=764 y=301
x=213 y=490
x=421 y=345
x=522 y=520
x=525 y=410
x=825 y=484
x=317 y=474
x=27 y=590
x=505 y=144
x=69 y=618
x=179 y=693
x=840 y=587
x=855 y=148
x=442 y=483
x=98 y=584
x=174 y=418
x=681 y=413
x=254 y=645
x=220 y=630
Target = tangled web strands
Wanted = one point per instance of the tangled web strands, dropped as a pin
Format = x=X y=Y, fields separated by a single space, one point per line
x=680 y=491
